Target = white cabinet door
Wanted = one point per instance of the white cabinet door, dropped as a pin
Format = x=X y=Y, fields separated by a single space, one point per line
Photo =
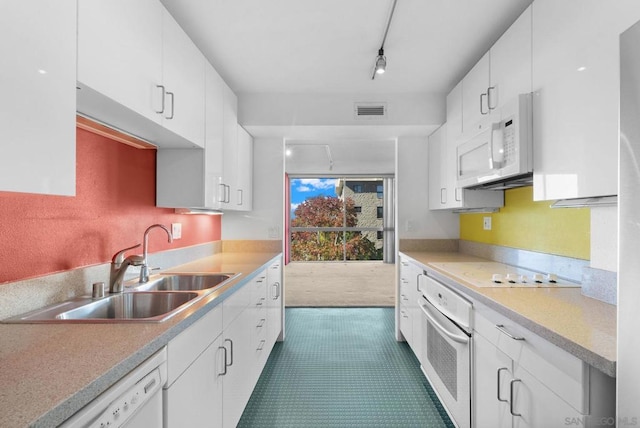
x=535 y=405
x=493 y=371
x=37 y=82
x=183 y=77
x=120 y=52
x=475 y=103
x=230 y=147
x=437 y=186
x=275 y=307
x=214 y=137
x=576 y=89
x=244 y=191
x=454 y=114
x=195 y=399
x=238 y=380
x=510 y=60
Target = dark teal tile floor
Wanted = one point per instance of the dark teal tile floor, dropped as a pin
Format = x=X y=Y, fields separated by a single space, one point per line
x=342 y=367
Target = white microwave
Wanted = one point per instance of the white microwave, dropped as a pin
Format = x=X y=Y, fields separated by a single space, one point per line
x=501 y=150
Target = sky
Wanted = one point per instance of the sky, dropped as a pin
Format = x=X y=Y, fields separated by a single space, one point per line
x=304 y=188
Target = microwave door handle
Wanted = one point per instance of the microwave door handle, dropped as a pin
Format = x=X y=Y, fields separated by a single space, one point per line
x=495 y=130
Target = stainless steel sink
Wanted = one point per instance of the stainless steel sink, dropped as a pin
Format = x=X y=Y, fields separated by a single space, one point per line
x=155 y=301
x=183 y=282
x=134 y=306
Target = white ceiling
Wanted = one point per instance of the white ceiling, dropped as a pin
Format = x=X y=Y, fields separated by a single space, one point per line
x=329 y=47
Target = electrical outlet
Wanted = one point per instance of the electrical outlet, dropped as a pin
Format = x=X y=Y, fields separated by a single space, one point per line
x=487 y=223
x=274 y=232
x=176 y=230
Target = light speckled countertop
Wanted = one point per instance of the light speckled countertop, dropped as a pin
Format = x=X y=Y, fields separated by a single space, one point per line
x=583 y=326
x=50 y=371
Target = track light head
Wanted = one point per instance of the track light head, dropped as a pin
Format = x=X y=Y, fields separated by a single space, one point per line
x=381 y=62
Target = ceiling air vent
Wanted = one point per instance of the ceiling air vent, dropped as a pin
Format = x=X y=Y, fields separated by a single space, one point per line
x=370 y=110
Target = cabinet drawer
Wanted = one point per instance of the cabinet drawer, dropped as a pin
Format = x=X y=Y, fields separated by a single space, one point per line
x=558 y=370
x=188 y=345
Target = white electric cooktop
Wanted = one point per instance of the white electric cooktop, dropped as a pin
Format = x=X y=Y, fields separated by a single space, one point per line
x=494 y=274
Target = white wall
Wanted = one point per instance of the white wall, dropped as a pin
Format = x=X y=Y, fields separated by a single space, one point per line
x=604 y=238
x=266 y=219
x=415 y=220
x=338 y=109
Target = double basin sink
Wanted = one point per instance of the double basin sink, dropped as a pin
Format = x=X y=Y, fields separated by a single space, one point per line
x=154 y=301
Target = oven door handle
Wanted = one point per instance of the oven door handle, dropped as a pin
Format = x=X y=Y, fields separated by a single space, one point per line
x=456 y=336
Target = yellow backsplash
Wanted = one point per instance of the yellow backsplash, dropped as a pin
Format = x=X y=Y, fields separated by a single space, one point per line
x=525 y=224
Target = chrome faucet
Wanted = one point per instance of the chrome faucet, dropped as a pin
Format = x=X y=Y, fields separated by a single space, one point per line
x=144 y=269
x=119 y=265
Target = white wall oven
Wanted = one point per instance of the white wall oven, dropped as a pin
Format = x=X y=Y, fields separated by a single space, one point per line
x=446 y=352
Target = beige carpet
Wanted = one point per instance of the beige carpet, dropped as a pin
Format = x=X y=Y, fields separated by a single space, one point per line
x=339 y=284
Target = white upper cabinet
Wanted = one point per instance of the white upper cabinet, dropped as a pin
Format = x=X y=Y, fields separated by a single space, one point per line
x=510 y=59
x=183 y=77
x=187 y=178
x=37 y=82
x=140 y=73
x=120 y=53
x=443 y=190
x=499 y=76
x=475 y=86
x=244 y=192
x=576 y=87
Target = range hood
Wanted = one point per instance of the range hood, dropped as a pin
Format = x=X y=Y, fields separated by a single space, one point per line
x=507 y=183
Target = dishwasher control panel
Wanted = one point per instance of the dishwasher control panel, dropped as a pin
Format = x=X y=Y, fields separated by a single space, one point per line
x=128 y=403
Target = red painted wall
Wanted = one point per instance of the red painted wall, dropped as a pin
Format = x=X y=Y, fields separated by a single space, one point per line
x=114 y=204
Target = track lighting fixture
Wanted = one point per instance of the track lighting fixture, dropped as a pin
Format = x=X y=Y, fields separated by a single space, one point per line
x=381 y=60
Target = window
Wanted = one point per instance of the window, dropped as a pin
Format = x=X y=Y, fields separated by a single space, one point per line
x=380 y=190
x=333 y=219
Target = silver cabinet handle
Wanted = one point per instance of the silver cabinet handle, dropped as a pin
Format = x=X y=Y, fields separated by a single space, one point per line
x=172 y=105
x=511 y=397
x=489 y=89
x=231 y=351
x=225 y=361
x=504 y=330
x=228 y=194
x=482 y=112
x=418 y=283
x=498 y=393
x=458 y=194
x=240 y=194
x=261 y=323
x=221 y=195
x=277 y=286
x=261 y=346
x=163 y=91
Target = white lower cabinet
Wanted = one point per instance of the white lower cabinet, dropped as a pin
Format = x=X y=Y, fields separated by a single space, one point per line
x=214 y=364
x=195 y=399
x=521 y=380
x=237 y=382
x=275 y=308
x=410 y=318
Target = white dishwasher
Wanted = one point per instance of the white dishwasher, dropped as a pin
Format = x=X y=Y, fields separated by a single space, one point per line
x=135 y=401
